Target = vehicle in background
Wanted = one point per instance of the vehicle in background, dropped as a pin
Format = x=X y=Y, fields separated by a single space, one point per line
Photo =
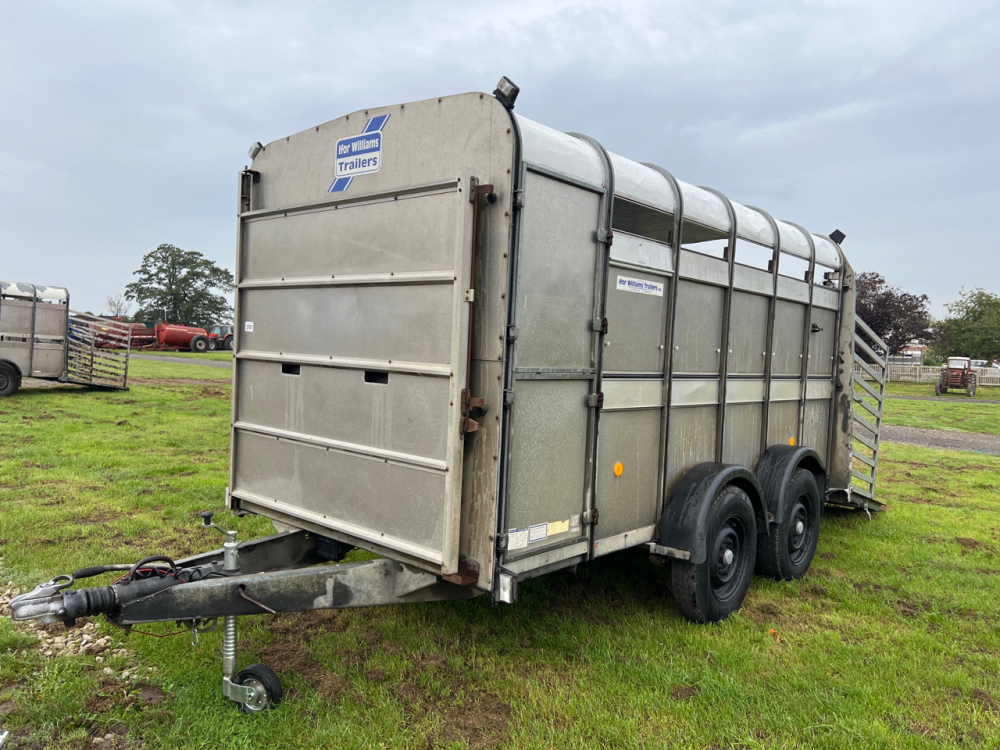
x=174 y=337
x=957 y=373
x=220 y=336
x=40 y=337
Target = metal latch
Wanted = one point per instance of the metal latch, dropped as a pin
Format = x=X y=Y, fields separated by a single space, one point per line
x=512 y=333
x=596 y=399
x=508 y=397
x=471 y=404
x=470 y=295
x=601 y=325
x=518 y=201
x=591 y=516
x=607 y=237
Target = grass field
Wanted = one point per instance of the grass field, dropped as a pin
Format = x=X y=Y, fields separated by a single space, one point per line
x=991 y=392
x=891 y=640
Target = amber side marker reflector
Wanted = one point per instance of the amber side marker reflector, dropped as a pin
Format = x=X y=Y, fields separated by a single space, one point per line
x=791 y=441
x=619 y=469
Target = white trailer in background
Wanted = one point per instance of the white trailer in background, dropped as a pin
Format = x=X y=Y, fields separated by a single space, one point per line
x=487 y=350
x=40 y=337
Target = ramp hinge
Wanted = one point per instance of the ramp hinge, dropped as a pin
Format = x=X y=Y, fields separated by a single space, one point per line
x=518 y=199
x=471 y=404
x=508 y=397
x=601 y=325
x=596 y=399
x=512 y=333
x=607 y=237
x=591 y=516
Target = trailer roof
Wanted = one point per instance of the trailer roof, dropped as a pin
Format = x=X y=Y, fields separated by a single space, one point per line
x=575 y=158
x=22 y=290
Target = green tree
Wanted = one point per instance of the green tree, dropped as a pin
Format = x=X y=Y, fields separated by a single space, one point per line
x=896 y=317
x=183 y=286
x=972 y=328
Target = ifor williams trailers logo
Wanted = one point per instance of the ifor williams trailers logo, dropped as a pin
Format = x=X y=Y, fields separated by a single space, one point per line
x=359 y=154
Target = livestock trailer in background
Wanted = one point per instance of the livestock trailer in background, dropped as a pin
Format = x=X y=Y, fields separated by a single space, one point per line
x=40 y=337
x=488 y=350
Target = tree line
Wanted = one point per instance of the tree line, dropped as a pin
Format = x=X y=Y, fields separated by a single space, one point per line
x=970 y=329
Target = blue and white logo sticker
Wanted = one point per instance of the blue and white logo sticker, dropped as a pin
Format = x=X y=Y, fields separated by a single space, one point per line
x=359 y=154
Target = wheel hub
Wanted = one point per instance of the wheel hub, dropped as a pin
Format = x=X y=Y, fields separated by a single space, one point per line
x=799 y=538
x=726 y=559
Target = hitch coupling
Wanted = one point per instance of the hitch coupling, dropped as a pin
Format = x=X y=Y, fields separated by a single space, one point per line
x=56 y=602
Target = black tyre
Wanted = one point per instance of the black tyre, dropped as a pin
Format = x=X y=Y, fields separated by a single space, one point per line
x=10 y=381
x=229 y=343
x=213 y=345
x=712 y=590
x=788 y=552
x=199 y=344
x=268 y=686
x=970 y=389
x=937 y=388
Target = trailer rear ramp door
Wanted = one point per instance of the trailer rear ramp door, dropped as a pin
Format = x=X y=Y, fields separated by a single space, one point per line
x=97 y=351
x=352 y=327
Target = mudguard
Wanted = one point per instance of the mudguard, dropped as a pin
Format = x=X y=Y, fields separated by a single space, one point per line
x=683 y=523
x=17 y=369
x=775 y=469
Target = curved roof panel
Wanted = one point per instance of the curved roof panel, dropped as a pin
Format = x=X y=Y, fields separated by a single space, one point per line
x=559 y=152
x=575 y=158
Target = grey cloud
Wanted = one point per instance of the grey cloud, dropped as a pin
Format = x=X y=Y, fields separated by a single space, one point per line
x=123 y=124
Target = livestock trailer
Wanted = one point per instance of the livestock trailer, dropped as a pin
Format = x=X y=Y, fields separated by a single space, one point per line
x=487 y=350
x=40 y=337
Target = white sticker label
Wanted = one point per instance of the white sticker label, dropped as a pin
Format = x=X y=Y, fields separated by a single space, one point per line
x=639 y=286
x=517 y=539
x=574 y=523
x=538 y=532
x=248 y=326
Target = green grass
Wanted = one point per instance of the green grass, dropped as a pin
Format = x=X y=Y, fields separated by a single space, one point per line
x=891 y=640
x=140 y=370
x=990 y=392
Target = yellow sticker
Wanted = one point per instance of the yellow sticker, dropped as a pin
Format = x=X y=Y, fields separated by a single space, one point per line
x=558 y=527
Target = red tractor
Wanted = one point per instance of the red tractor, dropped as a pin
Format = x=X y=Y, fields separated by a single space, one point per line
x=220 y=336
x=957 y=374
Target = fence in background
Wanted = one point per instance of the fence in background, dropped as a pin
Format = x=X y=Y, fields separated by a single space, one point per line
x=914 y=374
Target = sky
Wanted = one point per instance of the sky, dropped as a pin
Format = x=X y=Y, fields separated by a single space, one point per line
x=123 y=124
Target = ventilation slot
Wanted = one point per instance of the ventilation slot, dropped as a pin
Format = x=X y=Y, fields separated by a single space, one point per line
x=377 y=378
x=287 y=369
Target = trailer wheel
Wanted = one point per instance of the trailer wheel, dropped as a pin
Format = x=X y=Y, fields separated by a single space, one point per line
x=970 y=389
x=712 y=590
x=268 y=686
x=199 y=344
x=9 y=380
x=788 y=552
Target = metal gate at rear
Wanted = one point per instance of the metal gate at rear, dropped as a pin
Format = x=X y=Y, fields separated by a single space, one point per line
x=869 y=398
x=97 y=351
x=369 y=353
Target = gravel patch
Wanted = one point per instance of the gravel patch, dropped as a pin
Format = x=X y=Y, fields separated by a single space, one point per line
x=185 y=361
x=946 y=439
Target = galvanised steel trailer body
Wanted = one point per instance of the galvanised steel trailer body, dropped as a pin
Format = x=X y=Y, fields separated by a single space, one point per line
x=488 y=350
x=40 y=337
